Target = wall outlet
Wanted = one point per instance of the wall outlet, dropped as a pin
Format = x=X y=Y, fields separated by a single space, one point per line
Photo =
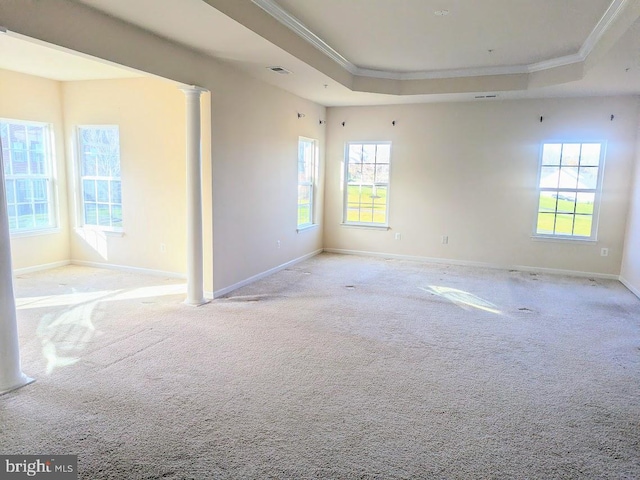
x=604 y=252
x=398 y=236
x=163 y=248
x=278 y=243
x=445 y=239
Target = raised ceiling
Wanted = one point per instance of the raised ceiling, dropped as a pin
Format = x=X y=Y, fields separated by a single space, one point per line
x=363 y=52
x=427 y=36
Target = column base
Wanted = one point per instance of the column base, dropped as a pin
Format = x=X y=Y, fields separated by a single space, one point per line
x=197 y=303
x=22 y=383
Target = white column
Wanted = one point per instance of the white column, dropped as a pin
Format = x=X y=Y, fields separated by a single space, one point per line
x=11 y=376
x=195 y=261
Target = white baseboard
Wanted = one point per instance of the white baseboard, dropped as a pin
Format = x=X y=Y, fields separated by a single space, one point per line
x=259 y=276
x=39 y=268
x=631 y=288
x=125 y=268
x=447 y=261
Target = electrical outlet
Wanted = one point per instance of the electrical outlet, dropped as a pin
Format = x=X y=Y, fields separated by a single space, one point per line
x=398 y=236
x=445 y=239
x=163 y=248
x=604 y=252
x=278 y=243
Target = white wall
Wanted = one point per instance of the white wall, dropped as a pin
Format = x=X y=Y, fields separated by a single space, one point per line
x=469 y=171
x=150 y=114
x=25 y=97
x=630 y=274
x=254 y=132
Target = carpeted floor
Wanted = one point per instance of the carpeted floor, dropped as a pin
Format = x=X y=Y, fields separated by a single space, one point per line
x=340 y=367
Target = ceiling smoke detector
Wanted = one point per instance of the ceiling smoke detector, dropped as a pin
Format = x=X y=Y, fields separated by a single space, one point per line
x=280 y=70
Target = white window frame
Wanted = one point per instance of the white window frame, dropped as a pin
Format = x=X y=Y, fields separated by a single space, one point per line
x=376 y=184
x=597 y=192
x=49 y=176
x=81 y=218
x=312 y=183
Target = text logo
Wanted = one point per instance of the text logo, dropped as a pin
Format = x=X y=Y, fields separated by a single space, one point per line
x=49 y=467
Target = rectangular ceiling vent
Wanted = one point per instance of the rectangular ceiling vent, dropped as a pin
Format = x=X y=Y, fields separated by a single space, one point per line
x=280 y=70
x=486 y=96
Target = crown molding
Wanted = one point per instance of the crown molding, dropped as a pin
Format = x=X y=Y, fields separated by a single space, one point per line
x=614 y=10
x=288 y=20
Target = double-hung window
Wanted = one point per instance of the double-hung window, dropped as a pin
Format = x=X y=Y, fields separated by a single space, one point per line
x=366 y=192
x=28 y=170
x=101 y=187
x=570 y=178
x=307 y=164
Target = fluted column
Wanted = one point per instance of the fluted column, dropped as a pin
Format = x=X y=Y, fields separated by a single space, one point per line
x=195 y=261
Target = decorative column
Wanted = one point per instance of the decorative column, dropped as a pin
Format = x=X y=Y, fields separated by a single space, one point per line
x=11 y=376
x=195 y=261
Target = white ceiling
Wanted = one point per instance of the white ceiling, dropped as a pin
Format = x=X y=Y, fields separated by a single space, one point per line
x=384 y=39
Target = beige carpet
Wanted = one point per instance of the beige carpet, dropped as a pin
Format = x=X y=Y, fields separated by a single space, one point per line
x=340 y=367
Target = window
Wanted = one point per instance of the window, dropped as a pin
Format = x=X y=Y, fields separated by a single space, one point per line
x=569 y=186
x=307 y=149
x=28 y=170
x=367 y=183
x=101 y=191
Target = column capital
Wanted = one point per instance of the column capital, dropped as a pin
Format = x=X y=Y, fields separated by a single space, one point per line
x=192 y=90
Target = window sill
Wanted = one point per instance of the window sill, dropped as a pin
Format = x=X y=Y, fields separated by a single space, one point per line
x=304 y=228
x=107 y=232
x=556 y=238
x=35 y=233
x=366 y=226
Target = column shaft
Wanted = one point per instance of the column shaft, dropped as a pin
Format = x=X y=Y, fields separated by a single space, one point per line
x=195 y=280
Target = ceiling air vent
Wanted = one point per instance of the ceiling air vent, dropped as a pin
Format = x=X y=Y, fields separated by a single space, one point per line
x=280 y=70
x=486 y=96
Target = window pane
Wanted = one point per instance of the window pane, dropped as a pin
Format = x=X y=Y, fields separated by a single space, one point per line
x=585 y=203
x=382 y=174
x=564 y=224
x=590 y=154
x=549 y=177
x=23 y=191
x=304 y=215
x=104 y=216
x=548 y=202
x=42 y=214
x=353 y=212
x=365 y=196
x=116 y=215
x=566 y=202
x=380 y=197
x=551 y=153
x=380 y=214
x=25 y=216
x=355 y=153
x=369 y=153
x=366 y=215
x=588 y=177
x=545 y=223
x=40 y=190
x=353 y=194
x=568 y=177
x=583 y=225
x=355 y=173
x=368 y=173
x=89 y=190
x=116 y=191
x=103 y=190
x=383 y=153
x=304 y=194
x=6 y=159
x=89 y=168
x=90 y=214
x=571 y=154
x=10 y=190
